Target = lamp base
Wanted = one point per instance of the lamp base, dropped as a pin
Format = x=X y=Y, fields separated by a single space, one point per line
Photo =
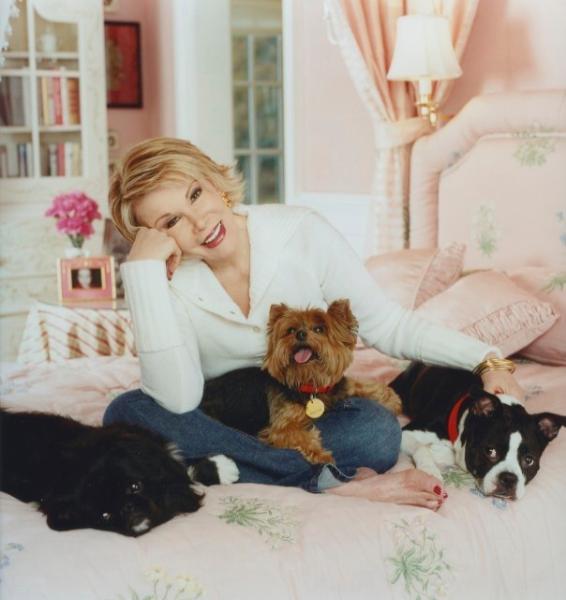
x=427 y=109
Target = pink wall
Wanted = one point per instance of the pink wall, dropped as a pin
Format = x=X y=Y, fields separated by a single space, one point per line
x=136 y=124
x=333 y=136
x=514 y=45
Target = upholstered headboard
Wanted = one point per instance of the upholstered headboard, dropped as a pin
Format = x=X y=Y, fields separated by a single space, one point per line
x=495 y=178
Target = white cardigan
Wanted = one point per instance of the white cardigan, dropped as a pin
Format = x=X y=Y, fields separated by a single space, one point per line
x=190 y=329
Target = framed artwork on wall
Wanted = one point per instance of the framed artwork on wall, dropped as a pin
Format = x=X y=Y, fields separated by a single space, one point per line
x=123 y=64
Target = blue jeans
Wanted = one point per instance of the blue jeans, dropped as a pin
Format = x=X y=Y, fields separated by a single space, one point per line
x=359 y=432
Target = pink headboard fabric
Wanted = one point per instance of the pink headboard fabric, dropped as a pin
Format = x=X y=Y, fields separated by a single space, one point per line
x=494 y=178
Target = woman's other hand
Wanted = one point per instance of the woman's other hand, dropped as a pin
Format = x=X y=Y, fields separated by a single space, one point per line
x=502 y=382
x=151 y=244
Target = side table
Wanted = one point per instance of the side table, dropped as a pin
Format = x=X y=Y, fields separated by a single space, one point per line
x=55 y=332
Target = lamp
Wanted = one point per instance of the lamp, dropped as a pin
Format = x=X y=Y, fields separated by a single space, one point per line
x=423 y=54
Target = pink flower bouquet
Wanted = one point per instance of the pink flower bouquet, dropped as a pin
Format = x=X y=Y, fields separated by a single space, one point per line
x=75 y=213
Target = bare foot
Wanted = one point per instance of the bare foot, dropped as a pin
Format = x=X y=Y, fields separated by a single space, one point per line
x=364 y=473
x=411 y=486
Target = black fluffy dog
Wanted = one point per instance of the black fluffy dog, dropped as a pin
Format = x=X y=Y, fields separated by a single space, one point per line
x=119 y=478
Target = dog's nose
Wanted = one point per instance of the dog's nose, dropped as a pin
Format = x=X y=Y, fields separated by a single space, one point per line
x=508 y=480
x=301 y=335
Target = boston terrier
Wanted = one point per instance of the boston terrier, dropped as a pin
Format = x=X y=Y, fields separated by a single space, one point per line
x=453 y=420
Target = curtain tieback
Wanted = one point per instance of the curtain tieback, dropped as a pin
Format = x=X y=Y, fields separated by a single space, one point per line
x=391 y=134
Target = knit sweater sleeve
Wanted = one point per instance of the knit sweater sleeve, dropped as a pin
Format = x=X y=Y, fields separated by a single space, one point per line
x=384 y=324
x=165 y=339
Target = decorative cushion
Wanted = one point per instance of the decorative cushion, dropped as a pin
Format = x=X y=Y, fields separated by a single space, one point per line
x=410 y=277
x=487 y=305
x=548 y=285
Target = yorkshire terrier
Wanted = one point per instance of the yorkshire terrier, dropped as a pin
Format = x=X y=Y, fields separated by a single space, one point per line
x=302 y=377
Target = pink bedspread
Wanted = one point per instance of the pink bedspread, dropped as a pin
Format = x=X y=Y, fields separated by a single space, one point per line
x=258 y=542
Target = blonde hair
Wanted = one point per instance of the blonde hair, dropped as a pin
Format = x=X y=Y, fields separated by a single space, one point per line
x=151 y=163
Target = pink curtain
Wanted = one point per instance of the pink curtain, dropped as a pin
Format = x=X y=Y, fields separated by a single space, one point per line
x=365 y=32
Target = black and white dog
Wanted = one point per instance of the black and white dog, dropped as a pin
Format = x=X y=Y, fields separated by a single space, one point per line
x=119 y=478
x=453 y=420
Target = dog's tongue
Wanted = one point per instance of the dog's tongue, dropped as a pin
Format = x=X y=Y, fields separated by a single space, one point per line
x=303 y=355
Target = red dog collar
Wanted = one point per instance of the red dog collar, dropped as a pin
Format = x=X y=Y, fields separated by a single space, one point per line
x=307 y=388
x=453 y=418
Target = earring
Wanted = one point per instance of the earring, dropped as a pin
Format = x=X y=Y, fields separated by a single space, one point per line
x=227 y=200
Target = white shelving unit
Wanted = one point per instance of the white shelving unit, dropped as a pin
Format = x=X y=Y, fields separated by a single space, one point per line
x=30 y=245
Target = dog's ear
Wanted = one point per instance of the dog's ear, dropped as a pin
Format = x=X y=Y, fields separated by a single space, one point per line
x=342 y=324
x=485 y=404
x=549 y=424
x=340 y=311
x=275 y=313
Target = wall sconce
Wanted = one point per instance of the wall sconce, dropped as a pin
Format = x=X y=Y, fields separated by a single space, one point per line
x=423 y=54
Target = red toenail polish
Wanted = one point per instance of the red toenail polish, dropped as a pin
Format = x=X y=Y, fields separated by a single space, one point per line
x=445 y=495
x=437 y=490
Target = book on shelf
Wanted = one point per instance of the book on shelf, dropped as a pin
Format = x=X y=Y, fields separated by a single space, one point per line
x=60 y=101
x=15 y=108
x=63 y=159
x=74 y=103
x=57 y=101
x=16 y=159
x=45 y=112
x=3 y=161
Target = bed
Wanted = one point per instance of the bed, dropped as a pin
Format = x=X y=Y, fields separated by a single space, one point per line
x=252 y=541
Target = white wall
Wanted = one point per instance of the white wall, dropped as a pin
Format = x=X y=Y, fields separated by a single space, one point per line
x=203 y=75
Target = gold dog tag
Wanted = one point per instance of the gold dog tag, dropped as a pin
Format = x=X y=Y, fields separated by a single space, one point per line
x=314 y=408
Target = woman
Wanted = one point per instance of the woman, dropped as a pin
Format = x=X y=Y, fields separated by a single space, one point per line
x=226 y=265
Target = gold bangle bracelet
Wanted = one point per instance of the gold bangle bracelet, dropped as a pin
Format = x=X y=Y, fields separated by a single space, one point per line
x=494 y=364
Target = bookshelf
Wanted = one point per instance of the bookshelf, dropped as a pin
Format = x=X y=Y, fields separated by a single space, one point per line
x=52 y=139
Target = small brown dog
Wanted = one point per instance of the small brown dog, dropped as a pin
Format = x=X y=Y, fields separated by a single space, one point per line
x=308 y=353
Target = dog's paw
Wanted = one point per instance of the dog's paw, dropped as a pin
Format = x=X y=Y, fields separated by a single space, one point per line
x=228 y=471
x=318 y=457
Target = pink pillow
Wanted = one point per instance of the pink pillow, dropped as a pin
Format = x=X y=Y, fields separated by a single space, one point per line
x=410 y=277
x=548 y=285
x=487 y=305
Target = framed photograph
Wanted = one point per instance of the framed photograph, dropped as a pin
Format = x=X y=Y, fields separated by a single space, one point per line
x=115 y=245
x=123 y=64
x=86 y=278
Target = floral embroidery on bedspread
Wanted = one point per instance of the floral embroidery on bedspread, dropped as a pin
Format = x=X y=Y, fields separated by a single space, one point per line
x=532 y=390
x=557 y=281
x=8 y=550
x=276 y=524
x=485 y=232
x=533 y=148
x=458 y=478
x=161 y=586
x=419 y=562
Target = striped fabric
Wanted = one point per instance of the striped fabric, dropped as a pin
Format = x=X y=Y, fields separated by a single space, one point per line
x=55 y=333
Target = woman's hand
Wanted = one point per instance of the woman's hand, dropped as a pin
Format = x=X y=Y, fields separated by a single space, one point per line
x=156 y=245
x=502 y=382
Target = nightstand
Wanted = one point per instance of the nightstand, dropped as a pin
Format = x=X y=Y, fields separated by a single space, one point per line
x=55 y=332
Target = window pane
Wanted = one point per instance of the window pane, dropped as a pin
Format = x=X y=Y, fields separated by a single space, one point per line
x=265 y=59
x=268 y=179
x=267 y=116
x=240 y=57
x=241 y=118
x=244 y=164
